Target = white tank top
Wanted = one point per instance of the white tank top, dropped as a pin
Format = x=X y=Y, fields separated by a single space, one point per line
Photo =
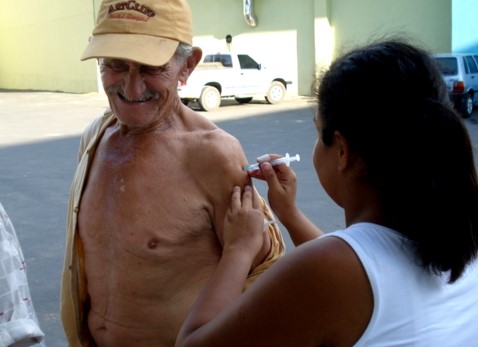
x=411 y=306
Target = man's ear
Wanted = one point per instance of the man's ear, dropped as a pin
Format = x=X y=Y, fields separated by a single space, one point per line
x=191 y=64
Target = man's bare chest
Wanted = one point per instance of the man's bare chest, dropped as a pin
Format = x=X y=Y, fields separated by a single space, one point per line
x=146 y=198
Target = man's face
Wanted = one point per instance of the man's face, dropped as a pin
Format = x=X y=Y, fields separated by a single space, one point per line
x=139 y=94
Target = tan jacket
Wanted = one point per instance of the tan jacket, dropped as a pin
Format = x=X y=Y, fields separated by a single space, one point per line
x=74 y=295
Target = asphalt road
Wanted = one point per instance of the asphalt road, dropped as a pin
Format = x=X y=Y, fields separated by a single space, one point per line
x=39 y=136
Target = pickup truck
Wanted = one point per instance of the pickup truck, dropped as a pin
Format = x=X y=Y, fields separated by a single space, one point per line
x=230 y=75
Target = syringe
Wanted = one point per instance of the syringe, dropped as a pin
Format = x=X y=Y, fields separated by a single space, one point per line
x=283 y=160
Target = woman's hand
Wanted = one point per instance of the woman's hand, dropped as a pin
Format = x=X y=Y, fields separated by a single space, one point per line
x=244 y=223
x=282 y=182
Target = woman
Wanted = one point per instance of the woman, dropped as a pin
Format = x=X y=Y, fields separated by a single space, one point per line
x=395 y=156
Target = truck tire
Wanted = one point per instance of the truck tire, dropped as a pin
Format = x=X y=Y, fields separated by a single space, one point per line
x=466 y=107
x=275 y=93
x=244 y=100
x=210 y=99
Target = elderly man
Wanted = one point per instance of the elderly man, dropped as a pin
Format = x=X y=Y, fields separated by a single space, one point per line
x=152 y=187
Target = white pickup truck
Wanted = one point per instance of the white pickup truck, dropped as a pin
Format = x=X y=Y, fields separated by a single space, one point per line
x=230 y=75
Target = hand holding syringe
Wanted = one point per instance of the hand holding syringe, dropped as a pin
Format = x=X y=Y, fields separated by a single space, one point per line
x=253 y=170
x=265 y=158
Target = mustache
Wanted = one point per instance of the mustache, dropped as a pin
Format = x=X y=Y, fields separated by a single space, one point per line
x=147 y=95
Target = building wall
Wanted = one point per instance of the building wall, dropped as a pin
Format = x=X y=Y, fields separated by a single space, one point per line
x=40 y=42
x=427 y=22
x=40 y=45
x=282 y=38
x=300 y=39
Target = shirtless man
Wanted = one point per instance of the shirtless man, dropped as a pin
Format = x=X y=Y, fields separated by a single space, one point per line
x=152 y=187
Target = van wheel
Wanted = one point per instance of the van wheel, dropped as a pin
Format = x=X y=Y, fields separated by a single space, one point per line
x=466 y=106
x=210 y=99
x=244 y=100
x=275 y=93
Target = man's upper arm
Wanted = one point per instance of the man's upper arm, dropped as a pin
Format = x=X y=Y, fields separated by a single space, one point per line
x=233 y=160
x=229 y=159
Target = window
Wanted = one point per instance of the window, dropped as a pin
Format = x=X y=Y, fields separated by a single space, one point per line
x=472 y=64
x=247 y=62
x=210 y=58
x=224 y=59
x=447 y=66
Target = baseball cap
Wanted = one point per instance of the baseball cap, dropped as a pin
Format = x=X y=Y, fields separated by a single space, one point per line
x=144 y=31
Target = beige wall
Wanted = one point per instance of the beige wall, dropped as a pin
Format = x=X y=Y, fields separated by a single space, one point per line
x=40 y=45
x=40 y=42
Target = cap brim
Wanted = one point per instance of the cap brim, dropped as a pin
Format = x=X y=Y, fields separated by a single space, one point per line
x=143 y=49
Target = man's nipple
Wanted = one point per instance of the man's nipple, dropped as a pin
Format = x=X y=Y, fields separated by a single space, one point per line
x=153 y=243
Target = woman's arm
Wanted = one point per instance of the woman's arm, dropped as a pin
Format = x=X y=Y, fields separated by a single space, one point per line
x=316 y=295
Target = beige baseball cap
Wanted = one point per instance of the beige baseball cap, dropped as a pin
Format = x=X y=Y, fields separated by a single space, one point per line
x=144 y=31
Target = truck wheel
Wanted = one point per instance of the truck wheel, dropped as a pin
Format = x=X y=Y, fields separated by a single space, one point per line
x=244 y=100
x=275 y=93
x=210 y=99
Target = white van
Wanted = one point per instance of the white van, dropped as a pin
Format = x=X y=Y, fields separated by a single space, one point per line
x=460 y=71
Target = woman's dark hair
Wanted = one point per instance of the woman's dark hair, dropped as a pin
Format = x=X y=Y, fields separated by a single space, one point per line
x=389 y=101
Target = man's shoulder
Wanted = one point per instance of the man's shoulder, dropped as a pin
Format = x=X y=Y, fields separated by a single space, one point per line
x=214 y=147
x=206 y=133
x=220 y=142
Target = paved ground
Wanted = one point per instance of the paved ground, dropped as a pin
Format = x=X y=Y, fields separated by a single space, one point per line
x=39 y=135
